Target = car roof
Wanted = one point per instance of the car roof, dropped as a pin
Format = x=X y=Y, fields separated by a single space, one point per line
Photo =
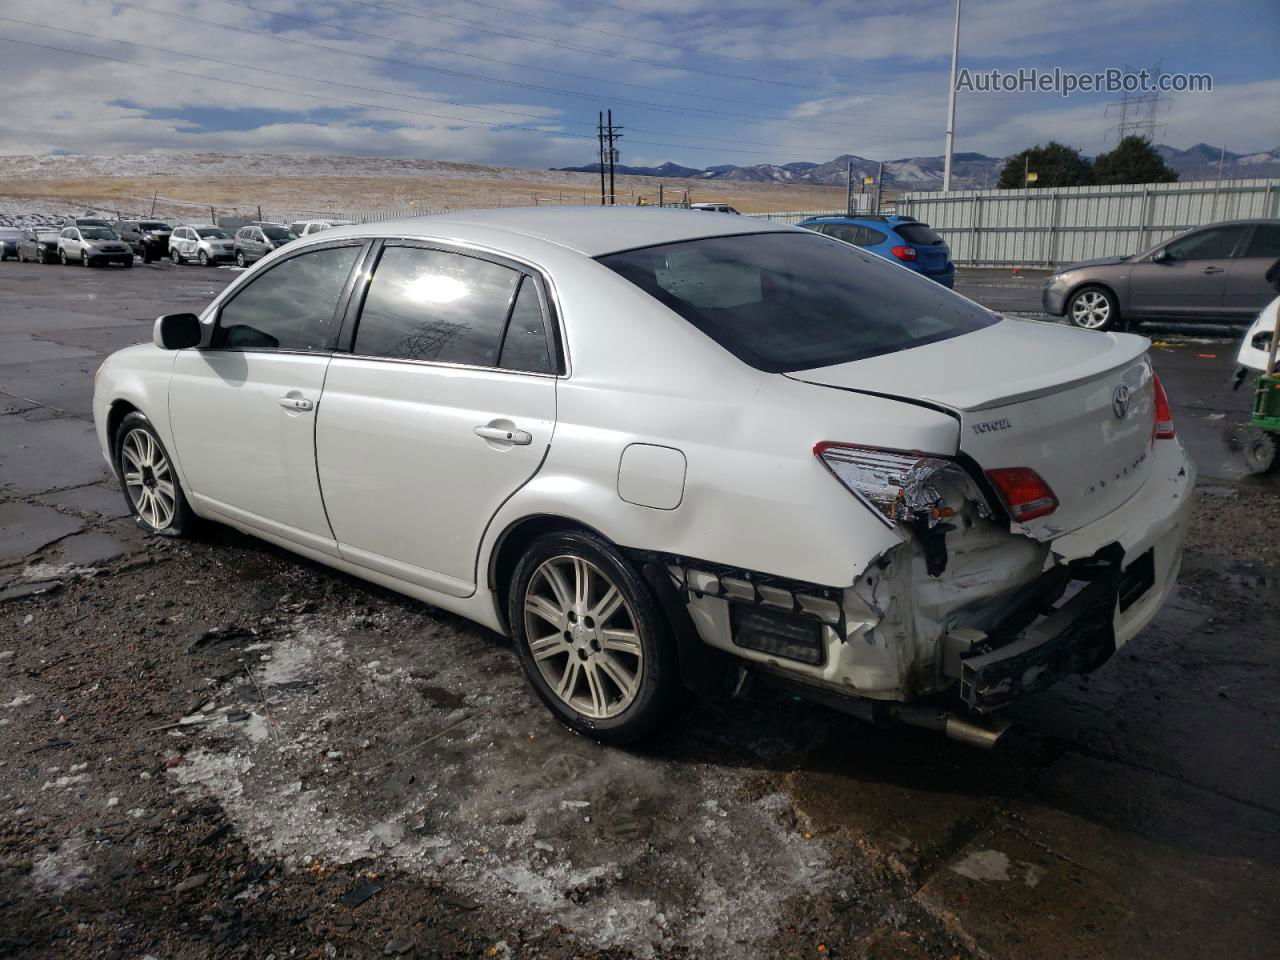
x=593 y=231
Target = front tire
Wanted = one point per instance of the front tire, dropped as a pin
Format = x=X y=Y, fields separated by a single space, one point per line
x=1093 y=308
x=176 y=257
x=147 y=478
x=204 y=259
x=592 y=639
x=62 y=257
x=241 y=262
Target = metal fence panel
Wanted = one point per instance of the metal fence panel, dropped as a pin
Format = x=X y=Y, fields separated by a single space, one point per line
x=1053 y=226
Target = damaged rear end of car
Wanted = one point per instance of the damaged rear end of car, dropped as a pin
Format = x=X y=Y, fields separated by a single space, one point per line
x=1030 y=544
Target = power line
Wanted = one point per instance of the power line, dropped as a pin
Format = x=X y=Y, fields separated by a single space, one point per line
x=645 y=104
x=323 y=99
x=410 y=96
x=481 y=27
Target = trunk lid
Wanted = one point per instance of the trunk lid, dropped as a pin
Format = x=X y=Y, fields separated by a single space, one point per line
x=1033 y=395
x=933 y=257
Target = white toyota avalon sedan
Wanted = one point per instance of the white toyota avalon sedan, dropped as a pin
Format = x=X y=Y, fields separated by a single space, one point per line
x=662 y=450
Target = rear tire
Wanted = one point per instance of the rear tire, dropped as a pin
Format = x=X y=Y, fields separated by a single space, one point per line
x=1093 y=308
x=592 y=639
x=176 y=257
x=1260 y=452
x=204 y=259
x=62 y=257
x=241 y=262
x=147 y=477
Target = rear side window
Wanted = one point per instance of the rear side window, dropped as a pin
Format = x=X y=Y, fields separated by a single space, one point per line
x=844 y=231
x=918 y=233
x=289 y=307
x=1265 y=242
x=434 y=305
x=792 y=301
x=525 y=345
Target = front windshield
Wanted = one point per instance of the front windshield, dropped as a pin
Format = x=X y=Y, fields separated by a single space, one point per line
x=152 y=225
x=279 y=234
x=97 y=233
x=213 y=233
x=795 y=300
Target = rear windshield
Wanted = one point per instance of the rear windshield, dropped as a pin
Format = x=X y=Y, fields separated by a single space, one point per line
x=153 y=225
x=920 y=233
x=213 y=232
x=793 y=301
x=279 y=234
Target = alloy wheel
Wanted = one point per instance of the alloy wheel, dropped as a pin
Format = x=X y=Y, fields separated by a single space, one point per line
x=582 y=635
x=148 y=478
x=1091 y=310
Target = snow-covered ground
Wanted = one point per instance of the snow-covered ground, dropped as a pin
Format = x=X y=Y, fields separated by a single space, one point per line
x=241 y=165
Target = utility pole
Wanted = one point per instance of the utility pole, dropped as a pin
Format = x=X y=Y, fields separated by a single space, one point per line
x=848 y=190
x=611 y=135
x=600 y=145
x=951 y=104
x=879 y=186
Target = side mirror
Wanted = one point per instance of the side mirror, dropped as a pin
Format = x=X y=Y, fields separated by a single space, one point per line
x=177 y=331
x=1162 y=256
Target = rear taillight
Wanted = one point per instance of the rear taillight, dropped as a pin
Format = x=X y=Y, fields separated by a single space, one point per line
x=903 y=253
x=1163 y=426
x=901 y=487
x=1024 y=492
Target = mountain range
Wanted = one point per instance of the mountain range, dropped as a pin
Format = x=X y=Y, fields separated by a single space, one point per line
x=969 y=171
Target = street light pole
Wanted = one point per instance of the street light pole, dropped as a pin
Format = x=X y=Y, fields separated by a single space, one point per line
x=951 y=104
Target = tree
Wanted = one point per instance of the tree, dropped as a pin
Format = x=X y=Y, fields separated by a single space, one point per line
x=1134 y=160
x=1055 y=165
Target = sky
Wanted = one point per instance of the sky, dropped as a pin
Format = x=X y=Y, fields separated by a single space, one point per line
x=519 y=82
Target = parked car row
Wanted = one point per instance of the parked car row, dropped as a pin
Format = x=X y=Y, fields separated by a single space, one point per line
x=91 y=241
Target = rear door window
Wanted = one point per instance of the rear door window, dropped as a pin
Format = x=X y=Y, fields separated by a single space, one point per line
x=1265 y=242
x=526 y=345
x=791 y=301
x=292 y=306
x=435 y=305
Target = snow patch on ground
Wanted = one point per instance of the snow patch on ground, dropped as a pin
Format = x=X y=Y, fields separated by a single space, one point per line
x=439 y=761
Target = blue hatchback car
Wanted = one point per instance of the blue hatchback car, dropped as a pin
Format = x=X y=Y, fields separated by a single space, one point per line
x=903 y=240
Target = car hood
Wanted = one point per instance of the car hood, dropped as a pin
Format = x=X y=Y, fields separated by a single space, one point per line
x=1096 y=262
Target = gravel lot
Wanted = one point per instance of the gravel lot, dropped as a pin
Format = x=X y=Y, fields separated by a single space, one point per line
x=213 y=748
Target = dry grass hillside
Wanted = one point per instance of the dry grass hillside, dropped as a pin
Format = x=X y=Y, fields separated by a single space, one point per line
x=320 y=185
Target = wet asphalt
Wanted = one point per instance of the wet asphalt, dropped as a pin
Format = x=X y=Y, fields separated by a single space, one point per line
x=1132 y=813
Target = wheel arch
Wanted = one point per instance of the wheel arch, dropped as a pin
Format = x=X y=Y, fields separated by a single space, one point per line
x=511 y=544
x=1101 y=285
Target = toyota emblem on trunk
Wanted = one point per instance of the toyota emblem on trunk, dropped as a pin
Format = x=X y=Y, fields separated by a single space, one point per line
x=1120 y=402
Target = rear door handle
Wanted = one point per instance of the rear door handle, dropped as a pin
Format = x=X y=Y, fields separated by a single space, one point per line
x=1211 y=270
x=296 y=403
x=511 y=435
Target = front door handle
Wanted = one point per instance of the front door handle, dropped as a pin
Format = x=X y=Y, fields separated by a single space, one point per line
x=296 y=403
x=1211 y=270
x=510 y=434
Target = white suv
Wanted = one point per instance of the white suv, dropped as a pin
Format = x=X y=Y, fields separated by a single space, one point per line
x=203 y=242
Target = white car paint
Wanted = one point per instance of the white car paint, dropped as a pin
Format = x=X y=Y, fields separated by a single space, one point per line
x=1251 y=357
x=663 y=442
